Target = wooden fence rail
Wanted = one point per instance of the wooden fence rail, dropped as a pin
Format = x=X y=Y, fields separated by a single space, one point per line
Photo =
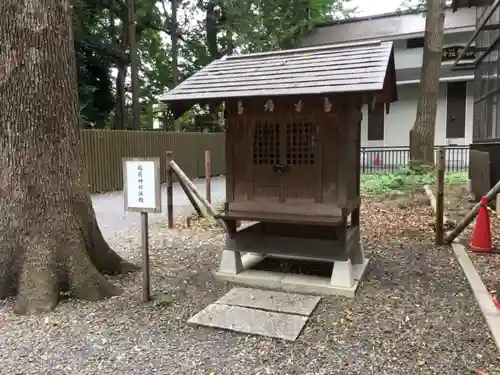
x=104 y=150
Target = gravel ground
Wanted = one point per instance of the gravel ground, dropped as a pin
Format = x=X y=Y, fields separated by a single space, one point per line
x=414 y=314
x=109 y=206
x=457 y=203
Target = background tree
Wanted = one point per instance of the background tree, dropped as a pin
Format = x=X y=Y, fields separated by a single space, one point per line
x=205 y=30
x=423 y=130
x=49 y=237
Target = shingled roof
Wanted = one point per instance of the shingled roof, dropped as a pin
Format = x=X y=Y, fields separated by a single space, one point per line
x=352 y=67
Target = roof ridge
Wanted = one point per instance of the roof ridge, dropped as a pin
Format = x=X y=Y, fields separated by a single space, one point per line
x=410 y=11
x=308 y=49
x=335 y=69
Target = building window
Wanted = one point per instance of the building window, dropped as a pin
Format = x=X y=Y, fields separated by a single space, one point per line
x=415 y=43
x=376 y=122
x=299 y=144
x=266 y=144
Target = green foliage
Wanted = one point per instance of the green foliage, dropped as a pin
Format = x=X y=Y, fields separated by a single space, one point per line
x=403 y=181
x=265 y=25
x=93 y=71
x=419 y=168
x=203 y=28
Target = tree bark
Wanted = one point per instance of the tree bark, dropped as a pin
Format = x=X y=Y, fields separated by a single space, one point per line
x=134 y=66
x=49 y=237
x=229 y=34
x=121 y=118
x=174 y=38
x=423 y=130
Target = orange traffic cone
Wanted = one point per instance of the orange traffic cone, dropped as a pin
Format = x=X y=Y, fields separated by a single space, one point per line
x=495 y=296
x=496 y=301
x=481 y=239
x=377 y=160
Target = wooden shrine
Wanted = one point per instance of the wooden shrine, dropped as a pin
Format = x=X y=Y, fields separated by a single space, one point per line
x=293 y=121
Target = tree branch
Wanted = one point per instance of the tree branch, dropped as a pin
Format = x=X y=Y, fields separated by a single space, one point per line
x=113 y=52
x=167 y=27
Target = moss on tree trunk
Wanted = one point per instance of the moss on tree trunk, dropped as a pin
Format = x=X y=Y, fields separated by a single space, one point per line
x=49 y=237
x=422 y=132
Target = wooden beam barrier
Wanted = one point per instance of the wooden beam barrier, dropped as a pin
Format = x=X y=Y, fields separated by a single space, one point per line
x=470 y=215
x=192 y=190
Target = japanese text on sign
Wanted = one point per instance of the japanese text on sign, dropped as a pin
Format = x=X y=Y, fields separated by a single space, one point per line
x=142 y=185
x=451 y=53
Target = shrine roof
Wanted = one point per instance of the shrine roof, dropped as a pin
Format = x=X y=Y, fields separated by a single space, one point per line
x=326 y=69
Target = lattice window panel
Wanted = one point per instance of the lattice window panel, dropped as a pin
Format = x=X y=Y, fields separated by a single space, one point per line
x=300 y=139
x=266 y=144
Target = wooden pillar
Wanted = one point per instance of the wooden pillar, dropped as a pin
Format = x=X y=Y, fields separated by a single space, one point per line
x=356 y=214
x=440 y=196
x=208 y=176
x=170 y=195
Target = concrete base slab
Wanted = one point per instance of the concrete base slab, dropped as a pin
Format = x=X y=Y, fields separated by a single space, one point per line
x=483 y=298
x=295 y=283
x=271 y=301
x=253 y=321
x=231 y=262
x=342 y=275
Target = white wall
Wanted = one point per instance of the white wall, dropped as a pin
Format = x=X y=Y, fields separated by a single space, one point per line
x=412 y=58
x=398 y=122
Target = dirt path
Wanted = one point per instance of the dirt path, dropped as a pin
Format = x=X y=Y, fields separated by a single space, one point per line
x=457 y=204
x=112 y=218
x=414 y=314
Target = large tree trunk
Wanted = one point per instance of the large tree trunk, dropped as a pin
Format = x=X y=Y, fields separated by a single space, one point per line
x=212 y=26
x=134 y=67
x=174 y=38
x=121 y=118
x=422 y=132
x=49 y=238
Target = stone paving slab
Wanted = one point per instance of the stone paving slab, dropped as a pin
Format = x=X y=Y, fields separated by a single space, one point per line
x=290 y=303
x=252 y=321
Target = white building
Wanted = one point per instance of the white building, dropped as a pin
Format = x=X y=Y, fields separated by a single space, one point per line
x=406 y=30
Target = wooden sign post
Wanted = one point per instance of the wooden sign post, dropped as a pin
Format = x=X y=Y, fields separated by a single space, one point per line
x=441 y=165
x=142 y=191
x=208 y=176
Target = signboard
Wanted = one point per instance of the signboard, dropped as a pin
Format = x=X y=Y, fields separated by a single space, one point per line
x=141 y=184
x=451 y=53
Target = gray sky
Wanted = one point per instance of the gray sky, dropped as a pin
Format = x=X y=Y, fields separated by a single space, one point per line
x=370 y=7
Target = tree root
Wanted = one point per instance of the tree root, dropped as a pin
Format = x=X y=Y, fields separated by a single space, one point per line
x=59 y=258
x=84 y=280
x=38 y=289
x=102 y=256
